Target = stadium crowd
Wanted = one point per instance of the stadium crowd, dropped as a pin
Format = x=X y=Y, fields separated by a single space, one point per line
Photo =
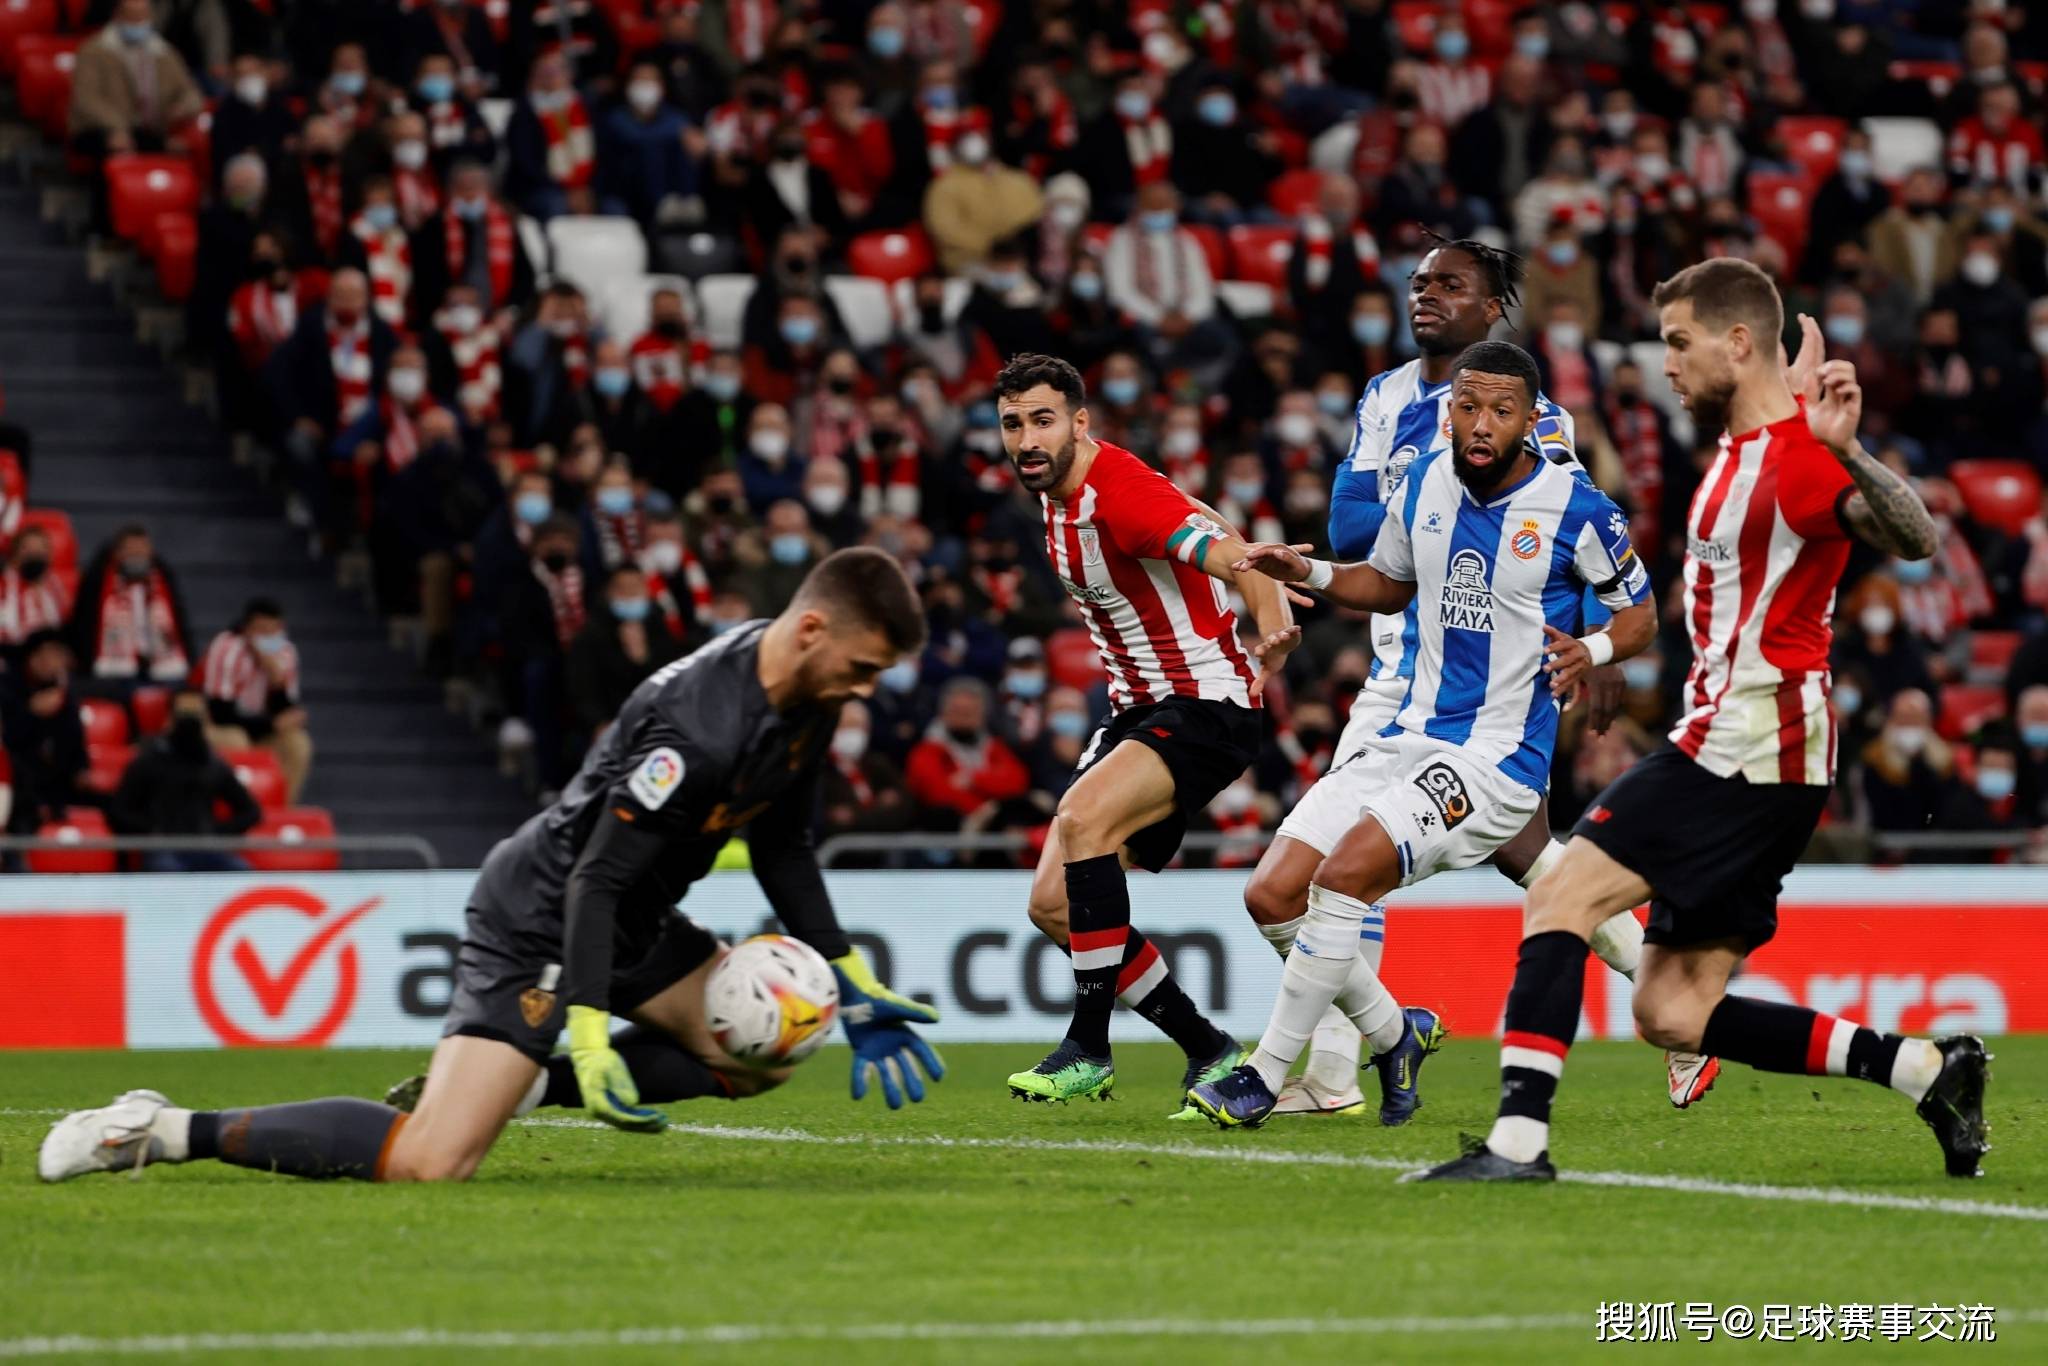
x=1211 y=207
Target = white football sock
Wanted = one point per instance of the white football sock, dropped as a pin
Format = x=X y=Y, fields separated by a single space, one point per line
x=1365 y=1001
x=1281 y=936
x=1333 y=1048
x=170 y=1135
x=1325 y=948
x=1914 y=1069
x=1519 y=1138
x=1618 y=942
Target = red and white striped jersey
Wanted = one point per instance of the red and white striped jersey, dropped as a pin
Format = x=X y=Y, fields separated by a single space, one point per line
x=1128 y=547
x=232 y=673
x=1765 y=548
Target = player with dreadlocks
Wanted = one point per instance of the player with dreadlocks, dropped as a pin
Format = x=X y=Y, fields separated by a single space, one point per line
x=1459 y=290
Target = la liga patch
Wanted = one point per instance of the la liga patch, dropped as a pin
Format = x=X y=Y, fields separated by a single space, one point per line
x=657 y=778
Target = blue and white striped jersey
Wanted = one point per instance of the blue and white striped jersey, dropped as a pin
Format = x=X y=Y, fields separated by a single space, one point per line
x=1401 y=420
x=1488 y=577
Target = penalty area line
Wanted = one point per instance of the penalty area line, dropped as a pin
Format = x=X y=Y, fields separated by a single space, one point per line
x=1688 y=1185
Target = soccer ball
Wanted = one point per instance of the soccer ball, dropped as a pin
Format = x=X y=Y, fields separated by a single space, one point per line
x=771 y=1001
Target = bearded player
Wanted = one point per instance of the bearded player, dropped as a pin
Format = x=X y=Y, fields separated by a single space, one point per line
x=573 y=920
x=1707 y=828
x=1459 y=290
x=1148 y=568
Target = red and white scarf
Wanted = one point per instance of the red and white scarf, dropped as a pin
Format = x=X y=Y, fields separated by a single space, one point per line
x=232 y=672
x=29 y=607
x=1149 y=141
x=387 y=260
x=856 y=781
x=498 y=243
x=323 y=195
x=1318 y=235
x=621 y=539
x=446 y=125
x=476 y=366
x=1002 y=587
x=565 y=597
x=661 y=369
x=1170 y=293
x=348 y=352
x=1063 y=130
x=402 y=431
x=576 y=359
x=749 y=24
x=419 y=197
x=892 y=489
x=572 y=150
x=694 y=582
x=1298 y=34
x=138 y=631
x=941 y=126
x=1219 y=32
x=260 y=319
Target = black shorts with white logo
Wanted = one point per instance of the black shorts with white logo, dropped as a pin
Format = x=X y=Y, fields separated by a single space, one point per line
x=1714 y=850
x=509 y=990
x=1205 y=746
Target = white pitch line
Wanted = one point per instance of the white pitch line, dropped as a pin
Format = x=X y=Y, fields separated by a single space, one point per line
x=1689 y=1185
x=726 y=1334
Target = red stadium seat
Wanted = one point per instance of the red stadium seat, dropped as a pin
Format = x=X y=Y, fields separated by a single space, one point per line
x=891 y=256
x=1260 y=253
x=1991 y=655
x=1815 y=142
x=152 y=708
x=1296 y=192
x=82 y=822
x=13 y=483
x=258 y=771
x=1212 y=248
x=57 y=526
x=1072 y=659
x=21 y=17
x=176 y=249
x=1780 y=203
x=43 y=63
x=141 y=187
x=1966 y=706
x=193 y=140
x=294 y=823
x=104 y=766
x=106 y=723
x=988 y=17
x=2004 y=494
x=637 y=33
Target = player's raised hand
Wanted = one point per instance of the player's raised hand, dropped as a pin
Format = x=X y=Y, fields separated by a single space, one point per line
x=1813 y=349
x=1567 y=661
x=1837 y=415
x=1287 y=563
x=1272 y=655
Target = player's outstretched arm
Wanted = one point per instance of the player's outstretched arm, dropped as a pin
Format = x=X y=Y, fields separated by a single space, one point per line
x=1357 y=586
x=1263 y=597
x=1883 y=511
x=1570 y=660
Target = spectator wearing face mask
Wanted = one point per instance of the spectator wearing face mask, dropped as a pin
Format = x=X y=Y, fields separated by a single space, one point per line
x=254 y=117
x=977 y=202
x=650 y=157
x=451 y=36
x=1847 y=203
x=1913 y=241
x=662 y=356
x=551 y=145
x=376 y=244
x=311 y=190
x=250 y=677
x=1991 y=310
x=1021 y=695
x=885 y=462
x=548 y=368
x=961 y=775
x=676 y=582
x=1907 y=768
x=787 y=191
x=1369 y=345
x=1294 y=439
x=131 y=624
x=1126 y=148
x=1562 y=274
x=718 y=518
x=1056 y=756
x=1244 y=497
x=32 y=598
x=618 y=516
x=922 y=134
x=770 y=467
x=1887 y=384
x=455 y=127
x=473 y=241
x=1988 y=800
x=389 y=435
x=860 y=789
x=828 y=492
x=1879 y=649
x=1334 y=257
x=1009 y=305
x=430 y=517
x=711 y=423
x=624 y=641
x=129 y=88
x=174 y=785
x=953 y=346
x=2030 y=722
x=626 y=419
x=1221 y=160
x=1564 y=192
x=44 y=734
x=228 y=232
x=774 y=559
x=324 y=380
x=788 y=365
x=1159 y=279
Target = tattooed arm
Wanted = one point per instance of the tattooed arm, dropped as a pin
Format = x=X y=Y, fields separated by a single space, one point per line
x=1883 y=511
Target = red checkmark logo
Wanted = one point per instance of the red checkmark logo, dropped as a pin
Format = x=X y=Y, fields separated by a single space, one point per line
x=275 y=992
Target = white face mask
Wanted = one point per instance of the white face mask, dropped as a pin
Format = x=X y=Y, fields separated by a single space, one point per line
x=1980 y=268
x=1181 y=442
x=410 y=155
x=252 y=89
x=462 y=317
x=1066 y=213
x=1877 y=620
x=849 y=744
x=407 y=385
x=644 y=95
x=1907 y=740
x=1296 y=429
x=1565 y=336
x=828 y=499
x=770 y=445
x=972 y=149
x=665 y=557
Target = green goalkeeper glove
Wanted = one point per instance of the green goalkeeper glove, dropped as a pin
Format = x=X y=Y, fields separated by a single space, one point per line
x=608 y=1090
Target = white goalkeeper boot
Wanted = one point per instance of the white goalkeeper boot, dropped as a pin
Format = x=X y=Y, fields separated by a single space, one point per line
x=112 y=1138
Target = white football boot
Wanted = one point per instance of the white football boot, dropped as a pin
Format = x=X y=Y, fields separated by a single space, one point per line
x=1304 y=1095
x=1691 y=1076
x=113 y=1138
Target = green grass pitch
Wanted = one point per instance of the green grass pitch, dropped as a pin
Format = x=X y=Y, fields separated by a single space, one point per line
x=975 y=1228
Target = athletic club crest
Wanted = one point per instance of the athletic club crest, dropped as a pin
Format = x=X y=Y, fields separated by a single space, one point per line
x=1527 y=543
x=1091 y=546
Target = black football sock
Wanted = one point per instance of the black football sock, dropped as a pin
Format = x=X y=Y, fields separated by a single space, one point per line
x=319 y=1139
x=1099 y=919
x=1146 y=985
x=1542 y=1018
x=663 y=1071
x=1784 y=1038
